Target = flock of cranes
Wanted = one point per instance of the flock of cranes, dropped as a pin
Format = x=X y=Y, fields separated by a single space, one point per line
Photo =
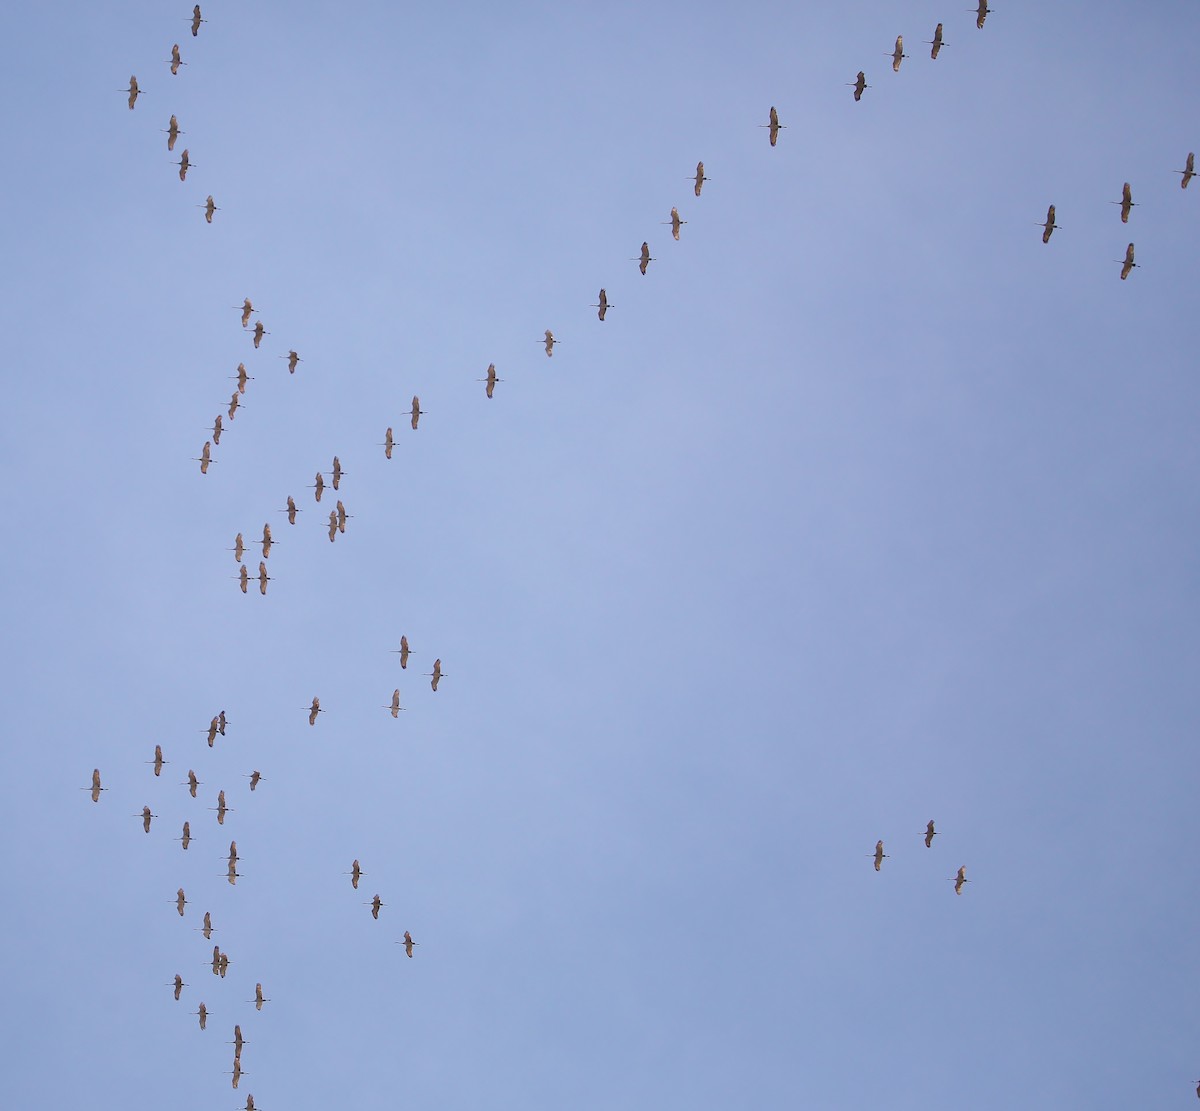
x=338 y=516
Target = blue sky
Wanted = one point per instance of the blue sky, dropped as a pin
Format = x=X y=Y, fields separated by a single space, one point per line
x=862 y=507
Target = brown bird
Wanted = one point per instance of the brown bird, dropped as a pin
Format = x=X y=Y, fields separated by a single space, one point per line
x=247 y=311
x=601 y=304
x=858 y=85
x=234 y=402
x=314 y=709
x=675 y=223
x=238 y=1042
x=879 y=854
x=249 y=1104
x=158 y=760
x=205 y=457
x=216 y=961
x=237 y=1071
x=263 y=578
x=207 y=928
x=242 y=378
x=981 y=13
x=209 y=208
x=192 y=782
x=233 y=853
x=266 y=541
x=341 y=517
x=291 y=510
x=214 y=726
x=936 y=42
x=184 y=165
x=217 y=430
x=408 y=943
x=259 y=332
x=220 y=808
x=700 y=178
x=1049 y=226
x=898 y=54
x=196 y=21
x=337 y=471
x=95 y=787
x=180 y=903
x=403 y=652
x=1129 y=264
x=416 y=411
x=224 y=964
x=491 y=378
x=202 y=1011
x=960 y=879
x=388 y=443
x=186 y=838
x=231 y=873
x=551 y=341
x=174 y=61
x=355 y=873
x=146 y=816
x=172 y=133
x=332 y=525
x=930 y=834
x=319 y=485
x=645 y=258
x=133 y=91
x=1190 y=170
x=375 y=904
x=255 y=779
x=222 y=721
x=259 y=998
x=1126 y=203
x=395 y=706
x=292 y=359
x=179 y=984
x=244 y=577
x=436 y=673
x=775 y=127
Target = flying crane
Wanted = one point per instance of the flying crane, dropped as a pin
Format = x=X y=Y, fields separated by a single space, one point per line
x=1189 y=171
x=172 y=133
x=936 y=42
x=184 y=165
x=133 y=91
x=775 y=127
x=700 y=178
x=551 y=341
x=1128 y=264
x=858 y=84
x=174 y=61
x=898 y=54
x=1126 y=203
x=1049 y=226
x=643 y=260
x=930 y=834
x=601 y=304
x=416 y=411
x=196 y=21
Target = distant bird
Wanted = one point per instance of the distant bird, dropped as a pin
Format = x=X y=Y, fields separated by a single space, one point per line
x=192 y=782
x=879 y=854
x=332 y=525
x=238 y=1041
x=775 y=127
x=936 y=42
x=551 y=341
x=858 y=85
x=341 y=517
x=179 y=984
x=403 y=650
x=234 y=402
x=238 y=549
x=222 y=721
x=645 y=258
x=355 y=873
x=247 y=311
x=319 y=485
x=389 y=441
x=242 y=378
x=95 y=787
x=930 y=834
x=408 y=943
x=184 y=165
x=960 y=879
x=224 y=964
x=259 y=332
x=216 y=961
x=146 y=816
x=233 y=853
x=217 y=429
x=291 y=510
x=337 y=471
x=292 y=360
x=172 y=133
x=255 y=779
x=244 y=577
x=267 y=541
x=491 y=378
x=196 y=21
x=375 y=904
x=207 y=928
x=675 y=223
x=1129 y=264
x=214 y=726
x=202 y=1011
x=1049 y=226
x=898 y=54
x=981 y=13
x=174 y=61
x=158 y=760
x=1126 y=203
x=209 y=208
x=205 y=457
x=237 y=1071
x=436 y=673
x=133 y=91
x=180 y=903
x=395 y=706
x=249 y=1104
x=700 y=178
x=263 y=578
x=416 y=411
x=601 y=304
x=1189 y=172
x=259 y=998
x=220 y=808
x=232 y=873
x=186 y=837
x=314 y=709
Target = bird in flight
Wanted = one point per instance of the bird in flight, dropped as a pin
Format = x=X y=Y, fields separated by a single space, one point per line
x=879 y=855
x=644 y=259
x=774 y=129
x=930 y=834
x=313 y=710
x=601 y=304
x=858 y=85
x=174 y=60
x=133 y=92
x=1126 y=203
x=436 y=673
x=960 y=879
x=1189 y=170
x=898 y=54
x=936 y=42
x=1129 y=264
x=700 y=178
x=551 y=341
x=196 y=21
x=1049 y=226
